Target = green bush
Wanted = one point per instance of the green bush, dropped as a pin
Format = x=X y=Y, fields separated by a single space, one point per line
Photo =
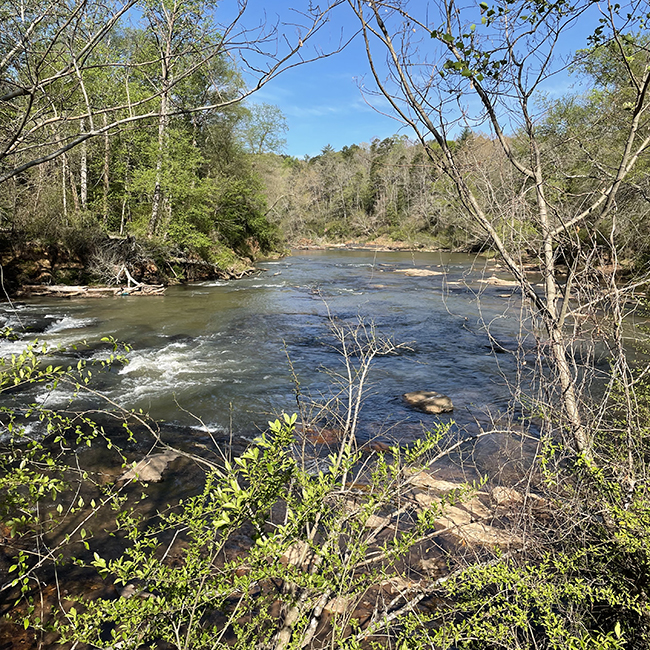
x=314 y=545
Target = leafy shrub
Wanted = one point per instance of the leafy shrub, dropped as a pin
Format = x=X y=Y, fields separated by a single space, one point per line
x=315 y=546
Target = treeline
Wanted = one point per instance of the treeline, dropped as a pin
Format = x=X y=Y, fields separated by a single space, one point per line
x=392 y=188
x=113 y=130
x=386 y=188
x=197 y=194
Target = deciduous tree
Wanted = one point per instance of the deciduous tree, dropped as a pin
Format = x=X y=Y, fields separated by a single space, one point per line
x=51 y=48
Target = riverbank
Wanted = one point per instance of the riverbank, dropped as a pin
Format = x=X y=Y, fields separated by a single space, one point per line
x=102 y=265
x=107 y=263
x=97 y=265
x=431 y=548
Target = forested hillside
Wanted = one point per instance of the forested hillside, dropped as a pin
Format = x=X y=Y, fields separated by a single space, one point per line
x=126 y=138
x=132 y=143
x=393 y=188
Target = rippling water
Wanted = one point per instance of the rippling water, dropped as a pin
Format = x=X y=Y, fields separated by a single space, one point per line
x=219 y=349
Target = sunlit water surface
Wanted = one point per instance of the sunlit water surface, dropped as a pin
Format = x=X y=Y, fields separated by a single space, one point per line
x=219 y=350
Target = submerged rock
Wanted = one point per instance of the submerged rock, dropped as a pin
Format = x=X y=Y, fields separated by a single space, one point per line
x=151 y=468
x=429 y=401
x=499 y=282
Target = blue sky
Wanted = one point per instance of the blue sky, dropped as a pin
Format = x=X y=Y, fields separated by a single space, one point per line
x=322 y=100
x=323 y=105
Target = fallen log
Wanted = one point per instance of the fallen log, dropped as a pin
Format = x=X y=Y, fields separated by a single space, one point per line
x=215 y=270
x=80 y=291
x=142 y=290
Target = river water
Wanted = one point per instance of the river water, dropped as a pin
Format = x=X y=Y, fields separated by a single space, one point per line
x=219 y=350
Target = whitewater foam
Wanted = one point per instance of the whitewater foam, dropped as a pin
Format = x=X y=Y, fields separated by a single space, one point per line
x=69 y=323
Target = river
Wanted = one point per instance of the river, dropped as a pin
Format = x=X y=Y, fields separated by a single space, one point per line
x=218 y=350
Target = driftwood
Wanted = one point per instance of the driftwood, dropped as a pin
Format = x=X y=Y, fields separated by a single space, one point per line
x=141 y=290
x=66 y=291
x=133 y=288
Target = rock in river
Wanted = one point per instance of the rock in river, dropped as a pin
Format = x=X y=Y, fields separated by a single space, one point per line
x=429 y=401
x=418 y=273
x=151 y=468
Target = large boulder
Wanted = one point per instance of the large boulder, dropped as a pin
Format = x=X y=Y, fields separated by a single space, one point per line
x=299 y=554
x=429 y=401
x=425 y=480
x=478 y=533
x=506 y=496
x=466 y=525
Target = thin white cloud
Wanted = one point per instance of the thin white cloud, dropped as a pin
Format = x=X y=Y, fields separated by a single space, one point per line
x=304 y=112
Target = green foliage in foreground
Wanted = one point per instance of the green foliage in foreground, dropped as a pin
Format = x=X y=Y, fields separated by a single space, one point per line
x=316 y=544
x=278 y=552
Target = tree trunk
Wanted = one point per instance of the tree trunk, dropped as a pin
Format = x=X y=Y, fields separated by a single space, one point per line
x=64 y=182
x=73 y=190
x=163 y=120
x=157 y=192
x=106 y=171
x=546 y=305
x=83 y=171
